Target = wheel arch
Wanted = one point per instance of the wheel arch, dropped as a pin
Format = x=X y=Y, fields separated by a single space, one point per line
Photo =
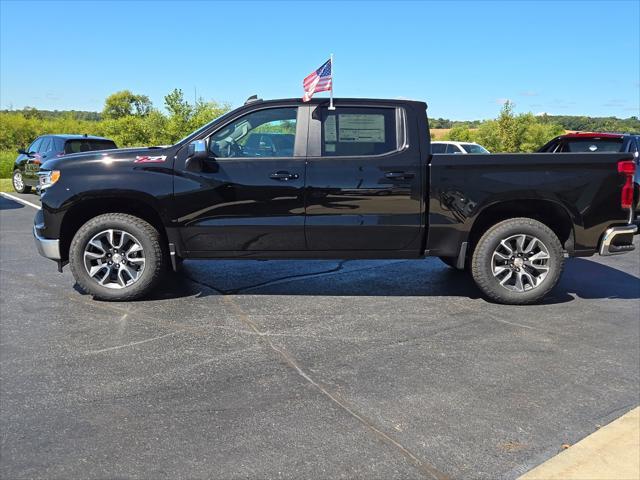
x=552 y=214
x=88 y=208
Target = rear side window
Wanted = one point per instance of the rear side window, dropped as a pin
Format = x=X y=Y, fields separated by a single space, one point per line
x=591 y=145
x=356 y=131
x=87 y=145
x=452 y=149
x=437 y=147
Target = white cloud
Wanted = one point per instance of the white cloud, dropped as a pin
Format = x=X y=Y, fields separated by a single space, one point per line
x=529 y=93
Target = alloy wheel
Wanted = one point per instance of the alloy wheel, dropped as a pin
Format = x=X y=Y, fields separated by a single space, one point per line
x=520 y=262
x=114 y=258
x=18 y=183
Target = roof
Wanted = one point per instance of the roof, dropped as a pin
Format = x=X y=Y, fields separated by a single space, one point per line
x=75 y=136
x=592 y=135
x=454 y=141
x=323 y=100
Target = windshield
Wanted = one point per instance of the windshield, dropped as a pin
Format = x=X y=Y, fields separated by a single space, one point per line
x=474 y=148
x=203 y=128
x=592 y=145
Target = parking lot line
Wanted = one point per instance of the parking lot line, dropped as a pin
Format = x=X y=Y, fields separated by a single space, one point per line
x=19 y=200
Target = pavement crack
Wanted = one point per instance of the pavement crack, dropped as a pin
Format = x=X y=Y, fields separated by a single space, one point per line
x=426 y=469
x=132 y=344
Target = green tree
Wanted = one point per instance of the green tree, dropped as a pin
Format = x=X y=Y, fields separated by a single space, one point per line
x=180 y=113
x=461 y=133
x=125 y=103
x=203 y=112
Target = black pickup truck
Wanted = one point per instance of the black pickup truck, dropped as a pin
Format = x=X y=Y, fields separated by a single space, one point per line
x=286 y=179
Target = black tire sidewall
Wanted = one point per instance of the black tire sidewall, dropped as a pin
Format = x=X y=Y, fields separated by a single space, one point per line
x=144 y=233
x=482 y=260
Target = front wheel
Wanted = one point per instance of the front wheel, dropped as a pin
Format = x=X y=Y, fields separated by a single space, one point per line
x=18 y=182
x=117 y=257
x=517 y=261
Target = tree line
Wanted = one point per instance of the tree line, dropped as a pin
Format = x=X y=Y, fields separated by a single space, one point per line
x=132 y=120
x=129 y=119
x=509 y=132
x=568 y=122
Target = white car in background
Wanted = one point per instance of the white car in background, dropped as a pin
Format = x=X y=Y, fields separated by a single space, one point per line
x=457 y=147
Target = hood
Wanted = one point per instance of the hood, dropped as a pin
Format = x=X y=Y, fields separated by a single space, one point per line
x=134 y=155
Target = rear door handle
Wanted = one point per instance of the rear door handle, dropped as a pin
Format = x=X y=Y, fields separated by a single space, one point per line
x=399 y=175
x=281 y=175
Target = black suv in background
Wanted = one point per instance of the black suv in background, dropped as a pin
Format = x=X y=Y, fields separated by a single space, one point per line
x=25 y=169
x=585 y=142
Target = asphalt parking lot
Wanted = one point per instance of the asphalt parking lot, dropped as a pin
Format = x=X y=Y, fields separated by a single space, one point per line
x=316 y=369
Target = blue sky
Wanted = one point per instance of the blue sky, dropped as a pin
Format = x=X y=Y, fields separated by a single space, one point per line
x=463 y=58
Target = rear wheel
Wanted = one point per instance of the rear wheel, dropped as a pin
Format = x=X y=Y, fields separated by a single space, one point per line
x=517 y=261
x=18 y=182
x=117 y=257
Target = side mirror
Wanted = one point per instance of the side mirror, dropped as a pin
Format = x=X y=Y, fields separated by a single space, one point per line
x=22 y=151
x=197 y=150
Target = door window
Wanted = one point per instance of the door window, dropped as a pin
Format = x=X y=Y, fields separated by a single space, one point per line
x=437 y=147
x=265 y=133
x=45 y=146
x=357 y=131
x=34 y=147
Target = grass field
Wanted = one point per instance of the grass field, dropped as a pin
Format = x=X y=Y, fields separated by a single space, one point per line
x=6 y=163
x=5 y=185
x=438 y=133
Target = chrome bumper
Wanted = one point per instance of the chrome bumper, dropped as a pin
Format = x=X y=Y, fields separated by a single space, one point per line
x=608 y=248
x=46 y=247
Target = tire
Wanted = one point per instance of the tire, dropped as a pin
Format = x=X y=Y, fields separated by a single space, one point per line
x=517 y=278
x=141 y=256
x=17 y=179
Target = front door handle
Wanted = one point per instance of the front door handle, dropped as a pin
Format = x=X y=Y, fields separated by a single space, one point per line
x=399 y=175
x=282 y=175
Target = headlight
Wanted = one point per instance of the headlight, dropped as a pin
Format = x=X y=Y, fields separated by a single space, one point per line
x=48 y=178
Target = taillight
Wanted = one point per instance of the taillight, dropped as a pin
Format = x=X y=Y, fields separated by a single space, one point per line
x=628 y=169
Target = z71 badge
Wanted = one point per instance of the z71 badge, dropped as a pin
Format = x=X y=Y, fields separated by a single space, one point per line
x=150 y=159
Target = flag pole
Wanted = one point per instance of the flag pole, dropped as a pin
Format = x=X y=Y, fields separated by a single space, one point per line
x=331 y=107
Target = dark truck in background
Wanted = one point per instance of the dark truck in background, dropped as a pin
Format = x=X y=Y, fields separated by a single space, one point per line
x=355 y=182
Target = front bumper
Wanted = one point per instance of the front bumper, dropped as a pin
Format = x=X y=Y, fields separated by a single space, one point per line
x=617 y=240
x=47 y=247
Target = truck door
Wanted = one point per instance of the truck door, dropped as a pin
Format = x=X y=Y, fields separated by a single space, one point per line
x=363 y=179
x=247 y=196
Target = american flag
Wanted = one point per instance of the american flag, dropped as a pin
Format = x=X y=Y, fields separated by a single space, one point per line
x=318 y=81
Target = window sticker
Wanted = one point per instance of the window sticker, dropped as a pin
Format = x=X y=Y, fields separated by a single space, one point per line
x=361 y=128
x=330 y=129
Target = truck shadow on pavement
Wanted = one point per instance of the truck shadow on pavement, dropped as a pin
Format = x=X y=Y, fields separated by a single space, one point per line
x=593 y=280
x=581 y=278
